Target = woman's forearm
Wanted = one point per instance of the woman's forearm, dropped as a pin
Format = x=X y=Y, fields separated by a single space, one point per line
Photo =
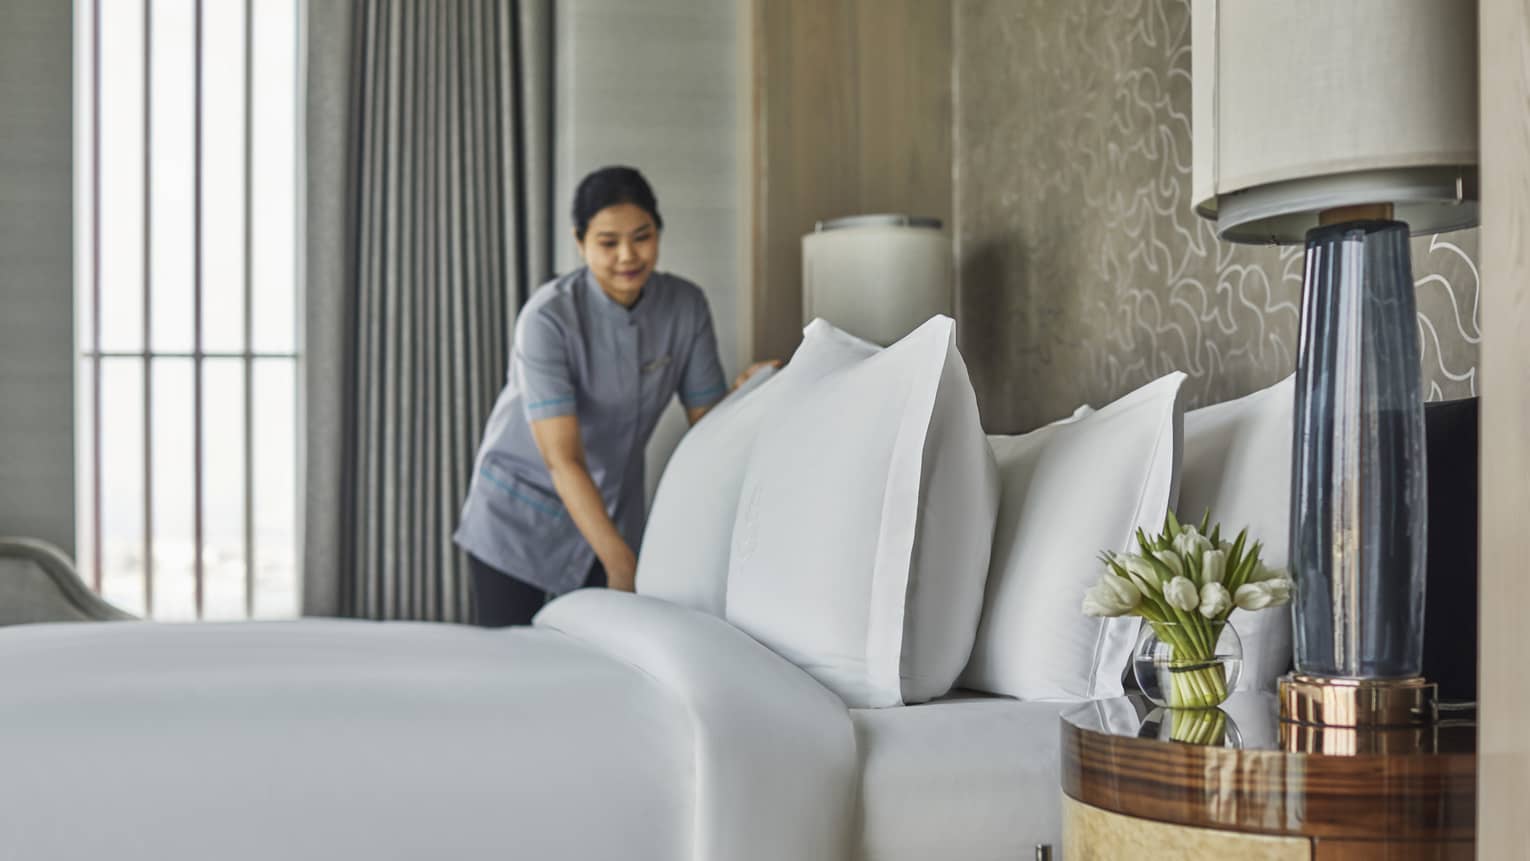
x=588 y=510
x=562 y=450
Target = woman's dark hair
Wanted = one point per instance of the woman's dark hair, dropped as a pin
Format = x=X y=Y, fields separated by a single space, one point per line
x=610 y=186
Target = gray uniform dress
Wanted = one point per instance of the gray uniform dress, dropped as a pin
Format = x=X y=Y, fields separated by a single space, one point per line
x=576 y=352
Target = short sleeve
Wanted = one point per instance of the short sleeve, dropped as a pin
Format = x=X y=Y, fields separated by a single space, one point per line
x=541 y=367
x=702 y=383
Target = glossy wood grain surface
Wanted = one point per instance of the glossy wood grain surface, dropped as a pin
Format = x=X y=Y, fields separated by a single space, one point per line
x=851 y=113
x=1407 y=798
x=1392 y=850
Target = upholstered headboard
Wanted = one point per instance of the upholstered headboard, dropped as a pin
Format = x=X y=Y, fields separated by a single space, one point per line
x=1450 y=597
x=38 y=583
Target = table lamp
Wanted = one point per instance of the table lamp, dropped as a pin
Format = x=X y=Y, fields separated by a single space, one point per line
x=1347 y=126
x=877 y=277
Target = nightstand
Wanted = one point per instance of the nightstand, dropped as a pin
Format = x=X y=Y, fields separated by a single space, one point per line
x=1238 y=787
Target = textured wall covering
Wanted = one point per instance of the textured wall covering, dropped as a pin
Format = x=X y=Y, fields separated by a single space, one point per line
x=36 y=272
x=1083 y=271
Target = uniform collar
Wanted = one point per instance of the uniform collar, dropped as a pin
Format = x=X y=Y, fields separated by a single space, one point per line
x=612 y=310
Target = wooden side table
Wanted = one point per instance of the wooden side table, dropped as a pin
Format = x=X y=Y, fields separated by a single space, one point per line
x=1237 y=789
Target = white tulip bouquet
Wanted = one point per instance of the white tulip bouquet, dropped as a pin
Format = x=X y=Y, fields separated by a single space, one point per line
x=1185 y=582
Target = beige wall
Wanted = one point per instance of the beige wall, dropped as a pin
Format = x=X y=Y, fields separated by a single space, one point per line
x=36 y=272
x=851 y=114
x=1503 y=741
x=1082 y=271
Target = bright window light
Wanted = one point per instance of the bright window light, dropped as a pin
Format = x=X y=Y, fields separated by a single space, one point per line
x=187 y=303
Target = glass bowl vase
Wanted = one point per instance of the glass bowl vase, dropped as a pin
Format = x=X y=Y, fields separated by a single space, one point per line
x=1176 y=671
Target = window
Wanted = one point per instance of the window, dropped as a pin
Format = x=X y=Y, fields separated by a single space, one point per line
x=186 y=124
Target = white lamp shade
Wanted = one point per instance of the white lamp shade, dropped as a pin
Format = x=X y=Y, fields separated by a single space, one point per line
x=876 y=277
x=1305 y=105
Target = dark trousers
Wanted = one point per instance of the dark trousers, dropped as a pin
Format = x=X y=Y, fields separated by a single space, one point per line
x=502 y=600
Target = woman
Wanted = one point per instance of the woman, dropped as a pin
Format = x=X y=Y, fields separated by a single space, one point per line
x=556 y=500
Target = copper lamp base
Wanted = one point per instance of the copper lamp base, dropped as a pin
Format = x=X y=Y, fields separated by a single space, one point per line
x=1357 y=716
x=1325 y=701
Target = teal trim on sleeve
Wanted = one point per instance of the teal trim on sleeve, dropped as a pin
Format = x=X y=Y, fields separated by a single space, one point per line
x=550 y=402
x=702 y=394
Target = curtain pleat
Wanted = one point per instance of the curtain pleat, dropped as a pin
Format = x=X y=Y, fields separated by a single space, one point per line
x=443 y=193
x=440 y=347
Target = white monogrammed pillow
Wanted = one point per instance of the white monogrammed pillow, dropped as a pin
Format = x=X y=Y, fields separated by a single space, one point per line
x=1071 y=490
x=865 y=523
x=1238 y=466
x=684 y=558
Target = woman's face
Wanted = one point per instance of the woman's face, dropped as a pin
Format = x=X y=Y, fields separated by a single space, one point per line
x=621 y=247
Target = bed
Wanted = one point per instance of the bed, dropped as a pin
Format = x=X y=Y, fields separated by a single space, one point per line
x=839 y=556
x=619 y=726
x=967 y=776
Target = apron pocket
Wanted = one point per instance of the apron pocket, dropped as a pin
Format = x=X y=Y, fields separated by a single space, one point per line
x=535 y=514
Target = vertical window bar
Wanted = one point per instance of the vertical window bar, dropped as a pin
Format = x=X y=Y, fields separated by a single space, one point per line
x=196 y=304
x=300 y=280
x=148 y=280
x=95 y=289
x=95 y=354
x=249 y=326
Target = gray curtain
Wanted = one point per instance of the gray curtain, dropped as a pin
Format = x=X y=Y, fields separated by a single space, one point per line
x=428 y=216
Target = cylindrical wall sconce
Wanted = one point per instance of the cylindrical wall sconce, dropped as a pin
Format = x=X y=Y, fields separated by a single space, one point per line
x=877 y=277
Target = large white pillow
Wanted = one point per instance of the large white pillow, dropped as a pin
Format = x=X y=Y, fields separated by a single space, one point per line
x=1071 y=490
x=1238 y=465
x=865 y=523
x=684 y=558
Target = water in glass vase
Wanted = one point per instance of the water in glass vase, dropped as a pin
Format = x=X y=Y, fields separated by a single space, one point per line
x=1177 y=677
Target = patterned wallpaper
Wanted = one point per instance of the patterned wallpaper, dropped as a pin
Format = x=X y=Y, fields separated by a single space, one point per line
x=1083 y=271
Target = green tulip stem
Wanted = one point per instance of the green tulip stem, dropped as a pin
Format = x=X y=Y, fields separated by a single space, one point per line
x=1199 y=646
x=1201 y=726
x=1198 y=686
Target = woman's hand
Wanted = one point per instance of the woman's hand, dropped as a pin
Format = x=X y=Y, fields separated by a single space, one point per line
x=621 y=569
x=563 y=450
x=752 y=370
x=696 y=414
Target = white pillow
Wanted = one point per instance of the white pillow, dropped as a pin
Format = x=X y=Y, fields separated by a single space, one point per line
x=865 y=524
x=1071 y=490
x=1238 y=465
x=684 y=558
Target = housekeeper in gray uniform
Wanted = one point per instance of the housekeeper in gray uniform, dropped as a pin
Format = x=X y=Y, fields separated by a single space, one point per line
x=557 y=496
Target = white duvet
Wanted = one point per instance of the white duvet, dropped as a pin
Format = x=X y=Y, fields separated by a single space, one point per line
x=616 y=727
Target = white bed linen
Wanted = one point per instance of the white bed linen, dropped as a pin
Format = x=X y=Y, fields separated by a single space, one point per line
x=969 y=776
x=621 y=727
